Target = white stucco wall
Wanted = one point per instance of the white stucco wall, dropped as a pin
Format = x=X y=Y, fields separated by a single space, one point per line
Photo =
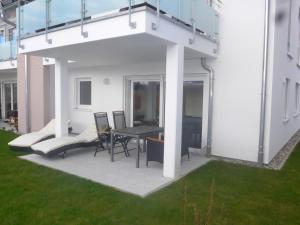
x=281 y=67
x=238 y=80
x=238 y=74
x=110 y=97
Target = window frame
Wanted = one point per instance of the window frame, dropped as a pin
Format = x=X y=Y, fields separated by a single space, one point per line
x=286 y=116
x=289 y=41
x=298 y=60
x=10 y=35
x=78 y=91
x=2 y=33
x=297 y=98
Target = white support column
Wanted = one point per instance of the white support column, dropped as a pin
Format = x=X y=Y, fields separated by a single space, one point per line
x=173 y=110
x=61 y=97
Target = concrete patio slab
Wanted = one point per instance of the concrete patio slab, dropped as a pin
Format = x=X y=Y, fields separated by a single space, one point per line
x=121 y=174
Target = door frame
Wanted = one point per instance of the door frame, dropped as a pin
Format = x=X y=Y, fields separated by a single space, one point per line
x=3 y=101
x=203 y=77
x=128 y=98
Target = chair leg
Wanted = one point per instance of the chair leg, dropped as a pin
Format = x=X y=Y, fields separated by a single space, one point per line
x=126 y=146
x=64 y=154
x=98 y=147
x=125 y=149
x=96 y=151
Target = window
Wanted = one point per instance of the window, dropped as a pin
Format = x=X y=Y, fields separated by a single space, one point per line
x=2 y=36
x=11 y=34
x=290 y=30
x=298 y=63
x=286 y=99
x=84 y=93
x=297 y=105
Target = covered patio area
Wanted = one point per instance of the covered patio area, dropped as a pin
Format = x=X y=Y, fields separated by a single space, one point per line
x=155 y=80
x=121 y=174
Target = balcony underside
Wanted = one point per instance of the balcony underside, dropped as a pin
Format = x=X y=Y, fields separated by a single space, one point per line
x=112 y=41
x=7 y=66
x=135 y=49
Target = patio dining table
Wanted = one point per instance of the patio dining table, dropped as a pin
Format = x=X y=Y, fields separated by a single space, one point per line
x=140 y=132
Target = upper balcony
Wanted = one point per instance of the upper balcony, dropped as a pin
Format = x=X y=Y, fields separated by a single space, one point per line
x=51 y=24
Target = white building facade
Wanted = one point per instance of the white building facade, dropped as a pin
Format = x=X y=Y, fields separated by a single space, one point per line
x=216 y=66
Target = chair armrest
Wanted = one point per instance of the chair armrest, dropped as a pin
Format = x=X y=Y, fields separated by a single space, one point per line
x=106 y=133
x=155 y=140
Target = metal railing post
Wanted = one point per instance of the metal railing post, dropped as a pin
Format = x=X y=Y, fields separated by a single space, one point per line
x=47 y=22
x=11 y=53
x=83 y=13
x=192 y=40
x=155 y=26
x=131 y=24
x=20 y=12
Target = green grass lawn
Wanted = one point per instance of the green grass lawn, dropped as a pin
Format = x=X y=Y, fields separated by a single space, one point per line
x=220 y=192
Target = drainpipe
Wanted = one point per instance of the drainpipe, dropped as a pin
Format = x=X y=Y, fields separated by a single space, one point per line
x=210 y=104
x=264 y=85
x=26 y=70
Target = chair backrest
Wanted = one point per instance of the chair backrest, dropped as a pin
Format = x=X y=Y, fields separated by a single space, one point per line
x=119 y=119
x=101 y=121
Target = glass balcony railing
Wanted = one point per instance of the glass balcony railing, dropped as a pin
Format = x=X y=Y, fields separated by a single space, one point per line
x=41 y=14
x=8 y=50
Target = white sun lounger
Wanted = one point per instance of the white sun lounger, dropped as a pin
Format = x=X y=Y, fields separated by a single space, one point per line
x=24 y=142
x=55 y=146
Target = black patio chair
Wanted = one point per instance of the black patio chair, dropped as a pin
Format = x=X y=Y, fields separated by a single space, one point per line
x=103 y=131
x=187 y=140
x=120 y=123
x=155 y=146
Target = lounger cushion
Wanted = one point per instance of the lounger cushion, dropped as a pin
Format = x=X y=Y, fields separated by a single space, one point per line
x=55 y=143
x=89 y=134
x=46 y=147
x=29 y=139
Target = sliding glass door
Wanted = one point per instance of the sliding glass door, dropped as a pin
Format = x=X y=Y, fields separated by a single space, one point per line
x=146 y=103
x=144 y=100
x=9 y=98
x=192 y=113
x=15 y=96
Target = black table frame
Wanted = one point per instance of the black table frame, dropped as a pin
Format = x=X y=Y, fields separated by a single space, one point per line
x=133 y=133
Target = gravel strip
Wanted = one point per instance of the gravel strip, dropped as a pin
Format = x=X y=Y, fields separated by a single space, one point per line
x=279 y=160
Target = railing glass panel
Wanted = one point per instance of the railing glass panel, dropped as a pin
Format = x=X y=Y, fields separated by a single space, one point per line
x=205 y=17
x=33 y=15
x=94 y=9
x=63 y=11
x=8 y=50
x=171 y=7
